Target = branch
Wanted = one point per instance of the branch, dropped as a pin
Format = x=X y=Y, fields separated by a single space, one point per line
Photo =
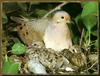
x=59 y=7
x=56 y=8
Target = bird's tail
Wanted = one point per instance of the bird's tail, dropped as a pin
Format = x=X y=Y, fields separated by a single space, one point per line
x=19 y=19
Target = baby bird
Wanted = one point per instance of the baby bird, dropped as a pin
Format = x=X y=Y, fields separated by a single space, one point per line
x=53 y=32
x=57 y=34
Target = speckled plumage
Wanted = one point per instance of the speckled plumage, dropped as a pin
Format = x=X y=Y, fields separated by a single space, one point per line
x=30 y=30
x=55 y=60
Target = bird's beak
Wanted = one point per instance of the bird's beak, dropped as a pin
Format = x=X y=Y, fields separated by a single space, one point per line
x=68 y=21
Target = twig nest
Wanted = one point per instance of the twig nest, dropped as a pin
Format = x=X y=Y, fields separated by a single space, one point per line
x=53 y=60
x=93 y=58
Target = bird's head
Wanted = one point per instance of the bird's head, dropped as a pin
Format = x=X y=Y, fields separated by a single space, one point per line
x=61 y=17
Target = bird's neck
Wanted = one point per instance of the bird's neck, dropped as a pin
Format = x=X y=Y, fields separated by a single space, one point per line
x=58 y=24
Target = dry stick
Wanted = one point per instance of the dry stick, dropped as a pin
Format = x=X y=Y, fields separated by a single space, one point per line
x=56 y=8
x=82 y=37
x=91 y=66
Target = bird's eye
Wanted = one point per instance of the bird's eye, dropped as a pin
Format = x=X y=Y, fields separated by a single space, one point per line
x=62 y=17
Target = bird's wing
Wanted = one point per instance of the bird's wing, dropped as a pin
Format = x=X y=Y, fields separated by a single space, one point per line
x=39 y=25
x=19 y=19
x=30 y=30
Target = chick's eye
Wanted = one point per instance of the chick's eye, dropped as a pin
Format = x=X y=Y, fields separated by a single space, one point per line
x=62 y=17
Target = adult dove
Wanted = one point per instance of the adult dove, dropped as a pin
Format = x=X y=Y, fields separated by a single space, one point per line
x=53 y=32
x=57 y=34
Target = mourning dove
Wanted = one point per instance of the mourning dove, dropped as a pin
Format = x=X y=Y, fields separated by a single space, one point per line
x=53 y=32
x=57 y=34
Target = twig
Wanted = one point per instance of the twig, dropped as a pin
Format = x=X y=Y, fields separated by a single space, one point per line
x=82 y=37
x=91 y=66
x=56 y=8
x=29 y=7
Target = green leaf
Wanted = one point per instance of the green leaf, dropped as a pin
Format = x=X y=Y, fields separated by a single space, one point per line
x=41 y=12
x=89 y=14
x=77 y=19
x=19 y=48
x=23 y=6
x=89 y=21
x=4 y=17
x=9 y=7
x=89 y=8
x=9 y=67
x=96 y=44
x=94 y=33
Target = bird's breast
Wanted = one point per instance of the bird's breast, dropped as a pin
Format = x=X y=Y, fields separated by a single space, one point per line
x=55 y=38
x=56 y=32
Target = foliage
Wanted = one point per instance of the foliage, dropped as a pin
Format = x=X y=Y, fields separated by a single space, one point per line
x=5 y=19
x=87 y=10
x=88 y=18
x=19 y=48
x=9 y=67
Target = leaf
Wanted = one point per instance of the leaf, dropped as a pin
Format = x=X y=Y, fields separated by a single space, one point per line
x=89 y=14
x=94 y=33
x=89 y=21
x=96 y=44
x=89 y=8
x=4 y=17
x=9 y=67
x=77 y=19
x=23 y=6
x=41 y=12
x=75 y=39
x=79 y=23
x=9 y=7
x=19 y=48
x=25 y=14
